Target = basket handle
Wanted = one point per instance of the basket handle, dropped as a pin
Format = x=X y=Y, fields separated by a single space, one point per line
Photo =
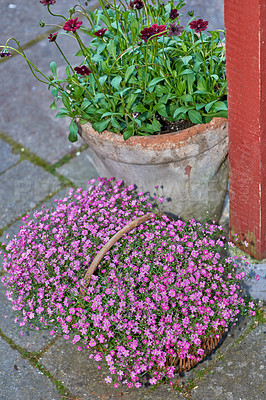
x=127 y=228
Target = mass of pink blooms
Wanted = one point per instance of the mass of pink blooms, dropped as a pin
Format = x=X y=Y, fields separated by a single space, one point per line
x=158 y=292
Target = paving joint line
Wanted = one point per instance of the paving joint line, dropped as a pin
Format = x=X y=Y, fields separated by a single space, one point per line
x=33 y=359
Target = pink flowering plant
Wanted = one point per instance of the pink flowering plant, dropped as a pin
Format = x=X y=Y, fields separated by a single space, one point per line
x=138 y=70
x=162 y=289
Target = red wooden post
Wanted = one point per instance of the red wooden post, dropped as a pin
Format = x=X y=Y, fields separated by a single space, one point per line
x=245 y=25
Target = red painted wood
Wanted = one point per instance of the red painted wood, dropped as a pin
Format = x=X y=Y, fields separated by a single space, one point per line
x=245 y=24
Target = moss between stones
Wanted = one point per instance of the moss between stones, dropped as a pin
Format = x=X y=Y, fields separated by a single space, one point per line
x=33 y=359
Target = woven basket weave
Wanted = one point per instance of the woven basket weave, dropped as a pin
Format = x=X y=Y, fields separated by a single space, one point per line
x=208 y=344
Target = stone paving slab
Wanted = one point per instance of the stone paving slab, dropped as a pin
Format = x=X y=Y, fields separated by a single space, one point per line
x=240 y=375
x=80 y=169
x=82 y=377
x=25 y=114
x=32 y=340
x=20 y=18
x=25 y=185
x=7 y=158
x=21 y=381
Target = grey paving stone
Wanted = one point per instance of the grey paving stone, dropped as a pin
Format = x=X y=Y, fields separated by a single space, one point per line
x=21 y=381
x=25 y=185
x=241 y=374
x=22 y=18
x=7 y=158
x=82 y=377
x=14 y=228
x=31 y=122
x=80 y=169
x=31 y=340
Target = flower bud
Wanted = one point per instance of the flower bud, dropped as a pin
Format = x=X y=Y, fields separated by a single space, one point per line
x=191 y=13
x=41 y=23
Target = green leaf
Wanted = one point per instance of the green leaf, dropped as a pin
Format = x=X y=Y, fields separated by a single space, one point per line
x=66 y=102
x=209 y=105
x=128 y=132
x=115 y=123
x=73 y=129
x=186 y=59
x=202 y=84
x=220 y=106
x=131 y=98
x=53 y=68
x=108 y=113
x=62 y=113
x=54 y=92
x=101 y=47
x=187 y=72
x=140 y=108
x=195 y=117
x=129 y=72
x=53 y=106
x=155 y=80
x=115 y=82
x=181 y=110
x=186 y=97
x=79 y=53
x=102 y=79
x=68 y=72
x=101 y=126
x=111 y=47
x=72 y=138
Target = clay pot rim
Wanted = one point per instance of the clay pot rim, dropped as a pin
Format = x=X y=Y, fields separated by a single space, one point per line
x=177 y=137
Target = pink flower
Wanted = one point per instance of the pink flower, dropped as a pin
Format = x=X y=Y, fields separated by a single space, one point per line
x=72 y=25
x=257 y=277
x=108 y=379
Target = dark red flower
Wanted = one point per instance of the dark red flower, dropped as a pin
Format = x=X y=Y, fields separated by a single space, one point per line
x=47 y=2
x=72 y=25
x=199 y=25
x=174 y=29
x=4 y=53
x=174 y=13
x=146 y=33
x=158 y=28
x=138 y=4
x=52 y=37
x=100 y=32
x=82 y=70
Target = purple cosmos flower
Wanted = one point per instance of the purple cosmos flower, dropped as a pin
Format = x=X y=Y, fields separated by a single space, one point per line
x=5 y=53
x=52 y=37
x=174 y=29
x=199 y=25
x=174 y=13
x=72 y=25
x=82 y=70
x=100 y=32
x=138 y=4
x=47 y=2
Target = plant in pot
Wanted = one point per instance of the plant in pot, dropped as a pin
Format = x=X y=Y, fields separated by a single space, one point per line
x=149 y=97
x=160 y=299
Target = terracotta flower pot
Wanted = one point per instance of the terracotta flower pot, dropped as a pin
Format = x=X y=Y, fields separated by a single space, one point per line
x=189 y=166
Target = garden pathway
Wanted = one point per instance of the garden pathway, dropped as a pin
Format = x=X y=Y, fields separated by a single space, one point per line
x=37 y=165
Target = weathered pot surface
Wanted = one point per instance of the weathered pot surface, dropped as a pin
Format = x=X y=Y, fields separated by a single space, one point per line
x=190 y=167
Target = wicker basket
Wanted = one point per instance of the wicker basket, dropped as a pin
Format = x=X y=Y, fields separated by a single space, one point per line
x=208 y=344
